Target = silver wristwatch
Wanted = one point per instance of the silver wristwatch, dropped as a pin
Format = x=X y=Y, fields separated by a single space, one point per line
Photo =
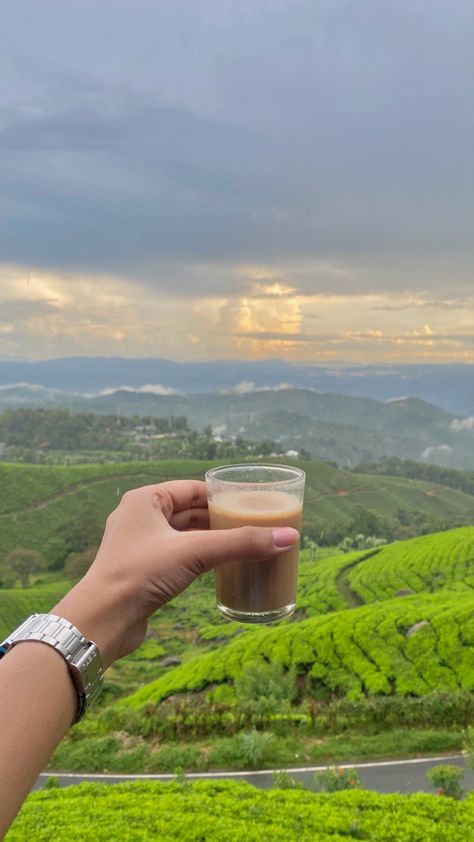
x=82 y=656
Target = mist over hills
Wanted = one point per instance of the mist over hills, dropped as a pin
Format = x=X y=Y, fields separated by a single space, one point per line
x=343 y=429
x=271 y=400
x=448 y=386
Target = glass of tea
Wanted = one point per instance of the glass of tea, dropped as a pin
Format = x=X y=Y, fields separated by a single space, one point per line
x=256 y=495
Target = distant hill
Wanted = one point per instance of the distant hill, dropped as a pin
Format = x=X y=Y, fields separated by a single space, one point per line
x=330 y=426
x=342 y=414
x=448 y=386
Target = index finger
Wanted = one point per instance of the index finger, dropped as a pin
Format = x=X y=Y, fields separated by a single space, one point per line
x=179 y=495
x=185 y=493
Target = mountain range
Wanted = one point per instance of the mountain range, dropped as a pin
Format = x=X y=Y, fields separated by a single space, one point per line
x=448 y=386
x=252 y=400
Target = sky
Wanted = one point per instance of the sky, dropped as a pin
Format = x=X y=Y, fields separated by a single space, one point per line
x=199 y=179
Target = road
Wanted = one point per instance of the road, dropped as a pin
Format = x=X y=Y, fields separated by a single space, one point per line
x=381 y=776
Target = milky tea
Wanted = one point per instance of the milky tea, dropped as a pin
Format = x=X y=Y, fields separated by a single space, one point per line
x=257 y=495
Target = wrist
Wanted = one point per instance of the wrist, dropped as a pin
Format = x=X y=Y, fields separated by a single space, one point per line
x=100 y=609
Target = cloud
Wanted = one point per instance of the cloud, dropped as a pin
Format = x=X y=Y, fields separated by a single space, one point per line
x=440 y=452
x=47 y=314
x=32 y=387
x=148 y=388
x=240 y=133
x=459 y=424
x=247 y=387
x=18 y=309
x=423 y=303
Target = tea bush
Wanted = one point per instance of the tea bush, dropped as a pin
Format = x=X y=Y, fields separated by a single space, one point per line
x=215 y=811
x=364 y=651
x=444 y=560
x=16 y=604
x=318 y=591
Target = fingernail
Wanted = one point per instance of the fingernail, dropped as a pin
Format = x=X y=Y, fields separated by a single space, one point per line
x=284 y=536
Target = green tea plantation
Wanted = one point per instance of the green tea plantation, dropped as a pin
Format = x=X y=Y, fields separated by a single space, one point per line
x=214 y=812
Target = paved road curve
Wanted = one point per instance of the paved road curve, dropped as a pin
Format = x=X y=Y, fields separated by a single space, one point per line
x=382 y=776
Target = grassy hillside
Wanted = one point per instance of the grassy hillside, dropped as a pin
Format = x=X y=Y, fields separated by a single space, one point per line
x=17 y=604
x=328 y=425
x=348 y=663
x=348 y=653
x=347 y=429
x=321 y=583
x=217 y=811
x=42 y=505
x=358 y=672
x=431 y=563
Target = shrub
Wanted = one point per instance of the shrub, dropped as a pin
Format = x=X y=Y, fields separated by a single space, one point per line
x=469 y=744
x=173 y=757
x=283 y=780
x=254 y=746
x=77 y=564
x=214 y=811
x=335 y=779
x=266 y=688
x=92 y=754
x=446 y=778
x=52 y=782
x=248 y=749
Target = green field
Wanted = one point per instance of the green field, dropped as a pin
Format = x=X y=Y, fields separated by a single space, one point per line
x=214 y=812
x=17 y=604
x=350 y=653
x=364 y=664
x=432 y=563
x=43 y=505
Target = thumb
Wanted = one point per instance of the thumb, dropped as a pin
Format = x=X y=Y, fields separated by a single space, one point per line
x=211 y=548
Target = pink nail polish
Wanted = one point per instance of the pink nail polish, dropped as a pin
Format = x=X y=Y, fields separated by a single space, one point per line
x=284 y=536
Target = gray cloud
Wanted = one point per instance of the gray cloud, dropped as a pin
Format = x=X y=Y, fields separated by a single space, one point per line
x=17 y=309
x=424 y=303
x=146 y=140
x=357 y=337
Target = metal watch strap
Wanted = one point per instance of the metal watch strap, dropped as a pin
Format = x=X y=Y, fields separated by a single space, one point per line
x=82 y=656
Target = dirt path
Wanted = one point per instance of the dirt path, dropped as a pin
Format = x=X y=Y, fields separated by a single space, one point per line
x=349 y=492
x=351 y=599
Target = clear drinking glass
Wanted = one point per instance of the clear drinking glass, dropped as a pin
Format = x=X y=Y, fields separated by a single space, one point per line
x=256 y=495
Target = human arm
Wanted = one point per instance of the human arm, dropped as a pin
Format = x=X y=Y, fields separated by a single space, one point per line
x=155 y=544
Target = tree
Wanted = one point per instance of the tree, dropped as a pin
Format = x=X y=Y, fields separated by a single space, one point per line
x=22 y=562
x=77 y=564
x=7 y=578
x=368 y=522
x=311 y=546
x=84 y=531
x=56 y=551
x=361 y=542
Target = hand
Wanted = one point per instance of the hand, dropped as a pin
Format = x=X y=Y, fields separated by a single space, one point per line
x=156 y=542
